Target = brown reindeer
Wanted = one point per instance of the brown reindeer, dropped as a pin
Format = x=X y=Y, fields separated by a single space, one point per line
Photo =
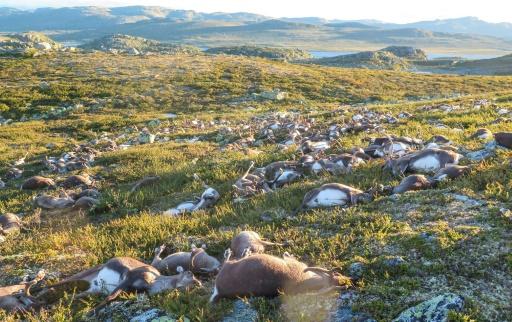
x=266 y=275
x=249 y=241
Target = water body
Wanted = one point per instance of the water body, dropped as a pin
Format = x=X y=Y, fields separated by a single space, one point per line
x=325 y=54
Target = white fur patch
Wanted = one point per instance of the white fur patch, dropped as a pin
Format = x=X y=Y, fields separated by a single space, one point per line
x=180 y=209
x=427 y=163
x=329 y=198
x=287 y=176
x=214 y=294
x=316 y=167
x=105 y=282
x=322 y=145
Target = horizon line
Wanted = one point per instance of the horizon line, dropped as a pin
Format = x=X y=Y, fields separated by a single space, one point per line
x=248 y=12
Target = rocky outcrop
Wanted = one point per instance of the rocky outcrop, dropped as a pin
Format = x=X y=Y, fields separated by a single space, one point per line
x=27 y=44
x=433 y=310
x=130 y=45
x=263 y=52
x=406 y=52
x=366 y=59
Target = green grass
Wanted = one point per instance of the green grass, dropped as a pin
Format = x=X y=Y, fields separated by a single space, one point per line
x=470 y=251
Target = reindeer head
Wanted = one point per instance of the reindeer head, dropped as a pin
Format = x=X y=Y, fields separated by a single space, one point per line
x=186 y=279
x=330 y=280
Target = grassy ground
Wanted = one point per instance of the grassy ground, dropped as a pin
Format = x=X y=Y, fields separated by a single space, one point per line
x=469 y=252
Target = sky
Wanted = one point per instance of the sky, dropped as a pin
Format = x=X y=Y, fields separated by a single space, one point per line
x=398 y=11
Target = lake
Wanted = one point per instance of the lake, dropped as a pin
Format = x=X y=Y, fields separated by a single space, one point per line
x=324 y=54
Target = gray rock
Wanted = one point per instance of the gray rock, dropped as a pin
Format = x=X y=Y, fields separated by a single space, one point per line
x=356 y=270
x=241 y=312
x=433 y=310
x=480 y=155
x=152 y=315
x=394 y=261
x=345 y=314
x=146 y=137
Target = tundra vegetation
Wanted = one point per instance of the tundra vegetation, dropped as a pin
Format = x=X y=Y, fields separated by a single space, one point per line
x=413 y=247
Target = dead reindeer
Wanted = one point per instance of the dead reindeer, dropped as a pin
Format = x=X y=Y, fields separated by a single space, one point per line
x=209 y=197
x=332 y=195
x=450 y=172
x=251 y=184
x=249 y=241
x=201 y=262
x=197 y=261
x=76 y=181
x=125 y=274
x=85 y=203
x=504 y=139
x=146 y=181
x=277 y=174
x=428 y=160
x=481 y=134
x=50 y=203
x=266 y=275
x=17 y=298
x=9 y=224
x=37 y=182
x=169 y=264
x=20 y=161
x=413 y=183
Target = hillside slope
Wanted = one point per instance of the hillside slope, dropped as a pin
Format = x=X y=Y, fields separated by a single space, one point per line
x=207 y=119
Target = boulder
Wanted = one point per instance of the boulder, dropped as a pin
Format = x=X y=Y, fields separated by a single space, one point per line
x=433 y=310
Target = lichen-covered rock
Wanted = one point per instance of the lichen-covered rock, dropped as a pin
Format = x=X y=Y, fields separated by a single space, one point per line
x=241 y=312
x=356 y=270
x=345 y=314
x=433 y=310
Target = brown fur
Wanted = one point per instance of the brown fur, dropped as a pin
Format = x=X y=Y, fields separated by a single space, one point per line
x=17 y=298
x=451 y=172
x=37 y=182
x=412 y=183
x=248 y=241
x=75 y=181
x=504 y=139
x=266 y=275
x=85 y=203
x=9 y=223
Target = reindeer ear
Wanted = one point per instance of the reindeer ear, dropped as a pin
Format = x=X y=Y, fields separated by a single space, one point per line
x=179 y=269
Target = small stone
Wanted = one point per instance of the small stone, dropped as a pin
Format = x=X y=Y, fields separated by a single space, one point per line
x=394 y=261
x=154 y=123
x=433 y=310
x=152 y=315
x=356 y=270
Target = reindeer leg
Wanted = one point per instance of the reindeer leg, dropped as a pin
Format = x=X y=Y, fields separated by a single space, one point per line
x=115 y=294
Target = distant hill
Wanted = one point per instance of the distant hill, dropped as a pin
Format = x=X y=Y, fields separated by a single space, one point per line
x=494 y=66
x=82 y=24
x=136 y=45
x=263 y=52
x=76 y=18
x=465 y=25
